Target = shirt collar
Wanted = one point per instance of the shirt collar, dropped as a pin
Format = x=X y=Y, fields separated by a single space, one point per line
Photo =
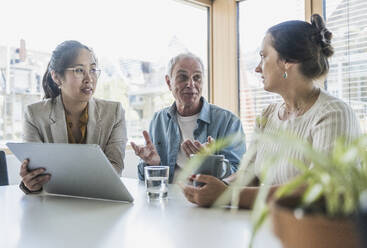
x=204 y=112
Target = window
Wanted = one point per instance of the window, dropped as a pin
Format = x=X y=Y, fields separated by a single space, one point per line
x=347 y=79
x=254 y=20
x=133 y=41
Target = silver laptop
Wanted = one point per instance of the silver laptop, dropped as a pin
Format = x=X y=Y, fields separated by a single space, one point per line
x=76 y=169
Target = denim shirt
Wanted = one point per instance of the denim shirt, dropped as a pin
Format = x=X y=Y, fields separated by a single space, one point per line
x=213 y=121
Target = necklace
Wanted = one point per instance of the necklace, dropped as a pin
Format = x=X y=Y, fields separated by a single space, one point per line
x=300 y=109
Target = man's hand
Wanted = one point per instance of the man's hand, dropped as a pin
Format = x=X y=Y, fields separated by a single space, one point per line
x=148 y=153
x=193 y=147
x=206 y=195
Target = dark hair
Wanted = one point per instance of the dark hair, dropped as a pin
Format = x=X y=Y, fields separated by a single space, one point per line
x=62 y=57
x=304 y=43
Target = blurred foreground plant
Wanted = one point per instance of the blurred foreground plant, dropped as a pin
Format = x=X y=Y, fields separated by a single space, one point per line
x=338 y=178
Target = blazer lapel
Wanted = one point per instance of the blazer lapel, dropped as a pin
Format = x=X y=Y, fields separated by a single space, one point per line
x=94 y=123
x=58 y=122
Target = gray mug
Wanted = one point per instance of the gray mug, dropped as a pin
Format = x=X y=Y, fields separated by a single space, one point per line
x=214 y=165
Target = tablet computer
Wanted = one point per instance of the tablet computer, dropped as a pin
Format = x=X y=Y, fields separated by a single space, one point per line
x=77 y=169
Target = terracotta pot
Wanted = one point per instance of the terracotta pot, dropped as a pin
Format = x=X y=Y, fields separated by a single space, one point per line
x=311 y=230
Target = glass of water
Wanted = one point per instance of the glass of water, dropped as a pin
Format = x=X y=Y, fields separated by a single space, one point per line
x=156 y=181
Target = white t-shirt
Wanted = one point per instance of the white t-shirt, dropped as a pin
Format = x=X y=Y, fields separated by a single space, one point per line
x=187 y=126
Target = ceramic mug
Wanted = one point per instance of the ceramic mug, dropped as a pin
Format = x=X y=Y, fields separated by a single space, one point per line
x=214 y=165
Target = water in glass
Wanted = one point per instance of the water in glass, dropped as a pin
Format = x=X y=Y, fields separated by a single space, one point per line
x=157 y=187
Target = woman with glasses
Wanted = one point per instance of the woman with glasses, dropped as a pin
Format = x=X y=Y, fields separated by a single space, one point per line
x=70 y=114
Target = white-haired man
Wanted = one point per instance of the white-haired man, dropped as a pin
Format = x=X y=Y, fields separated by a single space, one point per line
x=182 y=129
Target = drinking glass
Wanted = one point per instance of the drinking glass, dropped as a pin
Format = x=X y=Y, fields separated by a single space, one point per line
x=156 y=181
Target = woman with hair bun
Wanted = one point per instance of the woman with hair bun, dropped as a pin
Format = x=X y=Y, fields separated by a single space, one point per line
x=293 y=55
x=70 y=114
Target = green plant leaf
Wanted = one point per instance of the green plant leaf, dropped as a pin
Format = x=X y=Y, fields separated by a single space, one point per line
x=259 y=222
x=292 y=186
x=312 y=194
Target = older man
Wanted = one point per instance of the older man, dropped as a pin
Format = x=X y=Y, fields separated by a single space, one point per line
x=182 y=129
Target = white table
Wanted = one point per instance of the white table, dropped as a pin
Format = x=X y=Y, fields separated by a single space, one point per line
x=54 y=221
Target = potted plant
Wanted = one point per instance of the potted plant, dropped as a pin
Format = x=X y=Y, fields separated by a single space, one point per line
x=323 y=212
x=318 y=208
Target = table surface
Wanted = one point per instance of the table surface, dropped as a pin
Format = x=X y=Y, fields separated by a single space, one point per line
x=56 y=221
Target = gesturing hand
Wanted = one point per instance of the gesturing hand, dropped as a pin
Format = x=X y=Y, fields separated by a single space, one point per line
x=148 y=153
x=193 y=147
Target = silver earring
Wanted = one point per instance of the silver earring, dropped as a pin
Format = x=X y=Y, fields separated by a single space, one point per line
x=285 y=75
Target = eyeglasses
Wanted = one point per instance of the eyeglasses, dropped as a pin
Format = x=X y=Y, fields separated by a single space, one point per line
x=80 y=72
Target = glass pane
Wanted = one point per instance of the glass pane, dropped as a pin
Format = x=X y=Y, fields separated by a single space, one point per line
x=347 y=20
x=133 y=41
x=254 y=20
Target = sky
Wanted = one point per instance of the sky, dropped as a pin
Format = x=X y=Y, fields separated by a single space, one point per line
x=125 y=28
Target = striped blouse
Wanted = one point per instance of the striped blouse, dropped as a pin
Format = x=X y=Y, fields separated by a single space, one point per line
x=328 y=119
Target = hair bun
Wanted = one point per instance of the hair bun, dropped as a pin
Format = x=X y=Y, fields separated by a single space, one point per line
x=324 y=35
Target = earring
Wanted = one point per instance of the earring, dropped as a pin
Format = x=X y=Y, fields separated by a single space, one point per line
x=285 y=75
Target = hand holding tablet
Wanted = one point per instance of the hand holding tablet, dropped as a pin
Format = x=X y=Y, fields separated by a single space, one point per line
x=76 y=169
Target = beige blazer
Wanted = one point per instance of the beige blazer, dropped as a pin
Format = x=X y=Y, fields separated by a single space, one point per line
x=45 y=122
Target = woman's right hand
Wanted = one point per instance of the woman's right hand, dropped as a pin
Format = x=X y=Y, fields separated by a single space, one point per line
x=206 y=195
x=34 y=179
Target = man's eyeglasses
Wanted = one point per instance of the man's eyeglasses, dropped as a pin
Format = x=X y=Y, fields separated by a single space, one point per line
x=80 y=72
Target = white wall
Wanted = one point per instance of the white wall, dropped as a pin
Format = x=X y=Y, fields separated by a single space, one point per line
x=130 y=170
